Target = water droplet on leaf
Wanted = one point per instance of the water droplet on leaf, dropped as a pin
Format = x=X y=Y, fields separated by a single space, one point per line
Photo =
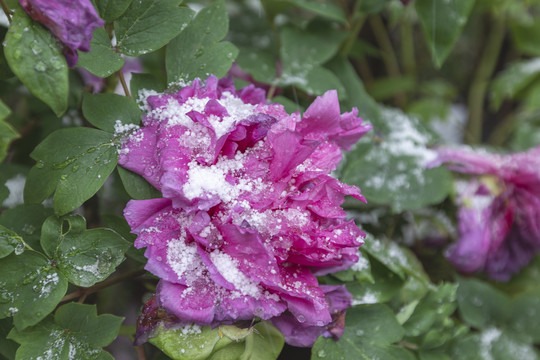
x=19 y=249
x=40 y=66
x=321 y=353
x=36 y=49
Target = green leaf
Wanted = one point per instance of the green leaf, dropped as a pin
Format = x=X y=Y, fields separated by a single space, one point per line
x=110 y=10
x=371 y=6
x=194 y=342
x=9 y=240
x=145 y=82
x=525 y=315
x=73 y=163
x=101 y=60
x=26 y=220
x=302 y=48
x=356 y=93
x=7 y=347
x=84 y=256
x=325 y=9
x=32 y=290
x=148 y=25
x=75 y=332
x=7 y=132
x=369 y=334
x=391 y=168
x=136 y=186
x=385 y=87
x=480 y=304
x=35 y=56
x=442 y=22
x=396 y=258
x=5 y=71
x=104 y=110
x=513 y=80
x=526 y=37
x=258 y=63
x=361 y=271
x=264 y=343
x=434 y=308
x=198 y=51
x=120 y=225
x=493 y=343
x=384 y=286
x=302 y=52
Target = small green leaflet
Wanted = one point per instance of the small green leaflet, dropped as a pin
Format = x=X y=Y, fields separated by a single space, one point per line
x=325 y=9
x=357 y=95
x=493 y=343
x=75 y=332
x=148 y=25
x=258 y=63
x=35 y=56
x=303 y=53
x=481 y=305
x=110 y=10
x=393 y=160
x=145 y=82
x=7 y=132
x=104 y=110
x=227 y=342
x=136 y=186
x=9 y=241
x=370 y=332
x=73 y=164
x=101 y=60
x=85 y=257
x=510 y=82
x=26 y=221
x=442 y=22
x=32 y=290
x=198 y=51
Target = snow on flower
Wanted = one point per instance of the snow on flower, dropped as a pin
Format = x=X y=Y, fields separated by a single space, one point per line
x=249 y=214
x=71 y=21
x=499 y=211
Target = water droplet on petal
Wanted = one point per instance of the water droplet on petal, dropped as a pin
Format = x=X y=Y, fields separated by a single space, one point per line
x=301 y=318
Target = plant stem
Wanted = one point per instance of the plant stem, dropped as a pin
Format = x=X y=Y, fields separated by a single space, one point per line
x=502 y=131
x=6 y=10
x=140 y=352
x=357 y=23
x=388 y=53
x=407 y=45
x=92 y=289
x=120 y=75
x=484 y=71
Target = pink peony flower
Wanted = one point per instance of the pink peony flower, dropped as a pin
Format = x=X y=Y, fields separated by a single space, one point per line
x=71 y=21
x=249 y=214
x=499 y=211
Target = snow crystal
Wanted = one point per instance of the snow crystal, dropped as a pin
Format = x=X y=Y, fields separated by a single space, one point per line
x=228 y=268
